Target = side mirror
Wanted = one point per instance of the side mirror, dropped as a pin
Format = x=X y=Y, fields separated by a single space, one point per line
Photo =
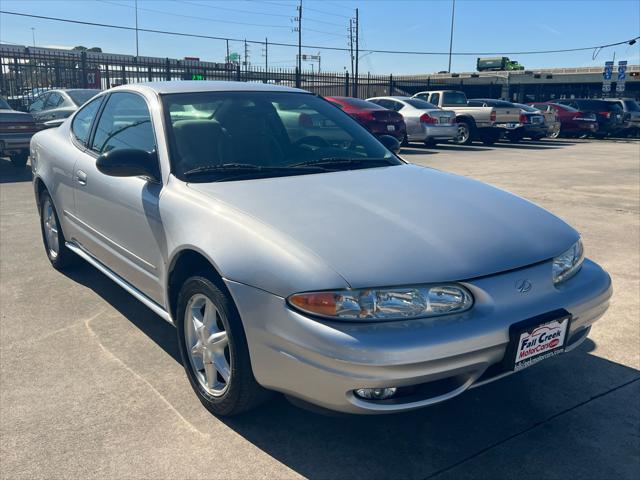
x=390 y=142
x=129 y=162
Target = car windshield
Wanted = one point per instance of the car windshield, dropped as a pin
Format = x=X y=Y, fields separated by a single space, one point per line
x=451 y=99
x=4 y=105
x=632 y=105
x=421 y=104
x=527 y=108
x=356 y=102
x=81 y=96
x=220 y=136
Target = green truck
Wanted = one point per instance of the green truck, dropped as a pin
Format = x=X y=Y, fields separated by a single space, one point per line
x=495 y=64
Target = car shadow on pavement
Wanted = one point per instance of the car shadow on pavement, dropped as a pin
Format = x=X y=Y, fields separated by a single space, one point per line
x=11 y=174
x=528 y=146
x=494 y=431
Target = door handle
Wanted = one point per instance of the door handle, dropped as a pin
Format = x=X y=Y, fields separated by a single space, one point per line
x=81 y=177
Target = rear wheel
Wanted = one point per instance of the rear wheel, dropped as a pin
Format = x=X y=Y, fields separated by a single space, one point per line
x=214 y=349
x=430 y=142
x=555 y=134
x=464 y=133
x=52 y=237
x=19 y=160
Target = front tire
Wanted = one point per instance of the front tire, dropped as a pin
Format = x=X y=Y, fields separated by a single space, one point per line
x=52 y=237
x=214 y=349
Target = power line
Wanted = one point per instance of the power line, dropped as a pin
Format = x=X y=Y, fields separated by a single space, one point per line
x=207 y=19
x=318 y=47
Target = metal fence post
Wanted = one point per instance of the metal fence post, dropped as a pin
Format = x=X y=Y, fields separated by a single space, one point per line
x=391 y=84
x=83 y=68
x=238 y=77
x=346 y=84
x=167 y=70
x=298 y=78
x=149 y=74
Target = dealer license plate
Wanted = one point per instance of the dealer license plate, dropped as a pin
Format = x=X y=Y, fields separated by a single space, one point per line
x=538 y=341
x=391 y=128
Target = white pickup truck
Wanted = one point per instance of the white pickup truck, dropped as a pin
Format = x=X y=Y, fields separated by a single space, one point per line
x=485 y=124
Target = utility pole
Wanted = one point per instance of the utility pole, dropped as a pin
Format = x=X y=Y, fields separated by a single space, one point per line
x=351 y=43
x=136 y=6
x=227 y=61
x=246 y=56
x=33 y=36
x=300 y=38
x=453 y=14
x=266 y=53
x=355 y=84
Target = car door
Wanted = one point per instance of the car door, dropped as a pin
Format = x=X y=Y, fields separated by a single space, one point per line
x=121 y=225
x=54 y=100
x=37 y=106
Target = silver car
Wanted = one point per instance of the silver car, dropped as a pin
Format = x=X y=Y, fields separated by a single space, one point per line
x=322 y=267
x=425 y=122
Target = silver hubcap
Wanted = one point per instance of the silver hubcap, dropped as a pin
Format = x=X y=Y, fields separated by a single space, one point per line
x=207 y=344
x=50 y=228
x=463 y=133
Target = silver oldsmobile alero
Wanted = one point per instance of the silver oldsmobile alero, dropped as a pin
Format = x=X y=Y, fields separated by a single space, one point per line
x=295 y=252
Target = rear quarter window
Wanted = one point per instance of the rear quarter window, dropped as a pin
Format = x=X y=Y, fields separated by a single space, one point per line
x=82 y=121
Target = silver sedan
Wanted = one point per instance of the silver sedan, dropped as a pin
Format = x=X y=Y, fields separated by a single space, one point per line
x=295 y=253
x=425 y=122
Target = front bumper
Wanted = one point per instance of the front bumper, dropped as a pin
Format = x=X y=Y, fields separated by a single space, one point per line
x=324 y=362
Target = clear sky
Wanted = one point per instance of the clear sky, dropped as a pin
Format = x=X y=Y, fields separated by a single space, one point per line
x=419 y=25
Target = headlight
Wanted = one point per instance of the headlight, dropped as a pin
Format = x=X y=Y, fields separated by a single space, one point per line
x=385 y=303
x=568 y=263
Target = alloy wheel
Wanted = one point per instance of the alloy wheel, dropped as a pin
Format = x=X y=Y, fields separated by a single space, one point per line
x=463 y=133
x=50 y=227
x=207 y=344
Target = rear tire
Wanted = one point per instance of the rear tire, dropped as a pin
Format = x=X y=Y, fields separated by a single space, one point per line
x=19 y=160
x=555 y=134
x=464 y=133
x=430 y=143
x=214 y=349
x=52 y=237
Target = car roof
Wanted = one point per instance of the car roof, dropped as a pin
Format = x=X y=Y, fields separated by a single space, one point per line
x=193 y=86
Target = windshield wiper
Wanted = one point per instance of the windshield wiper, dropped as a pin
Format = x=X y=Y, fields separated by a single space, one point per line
x=342 y=161
x=249 y=169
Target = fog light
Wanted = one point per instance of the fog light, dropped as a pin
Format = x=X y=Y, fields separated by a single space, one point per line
x=376 y=393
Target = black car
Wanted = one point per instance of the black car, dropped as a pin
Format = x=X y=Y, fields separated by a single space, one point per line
x=631 y=116
x=608 y=114
x=16 y=129
x=531 y=123
x=52 y=107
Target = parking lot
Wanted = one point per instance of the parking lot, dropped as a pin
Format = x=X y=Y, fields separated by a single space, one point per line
x=91 y=385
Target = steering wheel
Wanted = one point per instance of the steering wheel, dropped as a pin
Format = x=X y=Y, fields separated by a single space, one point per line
x=312 y=141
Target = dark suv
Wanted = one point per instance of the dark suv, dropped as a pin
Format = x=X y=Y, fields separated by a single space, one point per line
x=608 y=114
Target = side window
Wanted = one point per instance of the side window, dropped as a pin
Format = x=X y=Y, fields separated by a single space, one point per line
x=474 y=103
x=125 y=122
x=422 y=96
x=81 y=126
x=397 y=106
x=38 y=103
x=435 y=98
x=53 y=101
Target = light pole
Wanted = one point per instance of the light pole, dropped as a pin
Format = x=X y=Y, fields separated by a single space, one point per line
x=136 y=6
x=453 y=15
x=33 y=35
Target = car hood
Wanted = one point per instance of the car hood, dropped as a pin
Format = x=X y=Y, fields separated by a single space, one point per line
x=401 y=224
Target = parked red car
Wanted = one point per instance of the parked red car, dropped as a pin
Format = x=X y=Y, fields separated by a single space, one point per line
x=573 y=123
x=376 y=119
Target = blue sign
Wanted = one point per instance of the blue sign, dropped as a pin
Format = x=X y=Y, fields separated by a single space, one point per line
x=622 y=71
x=608 y=70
